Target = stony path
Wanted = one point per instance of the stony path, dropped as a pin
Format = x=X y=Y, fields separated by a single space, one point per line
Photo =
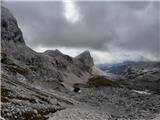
x=78 y=114
x=157 y=117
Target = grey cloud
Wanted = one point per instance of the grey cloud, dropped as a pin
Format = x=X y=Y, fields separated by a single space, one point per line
x=137 y=5
x=142 y=31
x=130 y=26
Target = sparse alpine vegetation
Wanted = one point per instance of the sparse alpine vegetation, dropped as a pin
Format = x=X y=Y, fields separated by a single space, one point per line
x=99 y=81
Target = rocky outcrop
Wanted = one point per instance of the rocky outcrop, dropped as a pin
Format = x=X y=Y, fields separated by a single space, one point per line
x=86 y=60
x=10 y=30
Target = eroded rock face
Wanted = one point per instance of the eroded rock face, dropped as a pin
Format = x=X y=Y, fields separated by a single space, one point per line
x=17 y=58
x=86 y=58
x=10 y=30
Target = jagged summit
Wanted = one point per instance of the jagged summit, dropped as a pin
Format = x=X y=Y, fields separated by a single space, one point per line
x=10 y=31
x=85 y=53
x=85 y=57
x=53 y=53
x=6 y=14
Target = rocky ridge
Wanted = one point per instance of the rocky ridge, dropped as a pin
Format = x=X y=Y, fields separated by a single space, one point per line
x=35 y=67
x=28 y=75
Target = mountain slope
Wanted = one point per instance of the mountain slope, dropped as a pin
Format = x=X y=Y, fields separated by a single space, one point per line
x=27 y=76
x=36 y=67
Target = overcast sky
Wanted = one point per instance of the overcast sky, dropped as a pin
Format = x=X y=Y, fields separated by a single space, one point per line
x=112 y=31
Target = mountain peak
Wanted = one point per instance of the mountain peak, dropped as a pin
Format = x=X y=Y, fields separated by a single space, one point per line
x=10 y=31
x=6 y=14
x=85 y=54
x=85 y=57
x=53 y=53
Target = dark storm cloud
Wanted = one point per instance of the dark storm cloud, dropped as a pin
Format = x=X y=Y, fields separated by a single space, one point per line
x=130 y=26
x=139 y=30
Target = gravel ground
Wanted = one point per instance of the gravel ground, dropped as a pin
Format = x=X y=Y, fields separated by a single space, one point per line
x=79 y=114
x=111 y=104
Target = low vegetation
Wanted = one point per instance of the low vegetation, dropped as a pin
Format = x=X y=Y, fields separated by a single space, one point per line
x=97 y=81
x=4 y=95
x=36 y=114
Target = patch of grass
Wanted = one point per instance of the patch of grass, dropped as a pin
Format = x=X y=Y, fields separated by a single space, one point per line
x=40 y=114
x=32 y=116
x=29 y=115
x=4 y=100
x=97 y=81
x=115 y=117
x=4 y=92
x=4 y=95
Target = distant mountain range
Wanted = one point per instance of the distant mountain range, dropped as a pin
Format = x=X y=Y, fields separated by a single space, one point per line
x=140 y=75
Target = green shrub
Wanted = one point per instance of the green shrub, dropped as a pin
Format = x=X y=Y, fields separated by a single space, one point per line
x=97 y=81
